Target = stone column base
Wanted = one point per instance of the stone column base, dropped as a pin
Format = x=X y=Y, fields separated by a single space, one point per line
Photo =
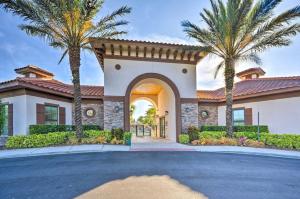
x=113 y=114
x=189 y=115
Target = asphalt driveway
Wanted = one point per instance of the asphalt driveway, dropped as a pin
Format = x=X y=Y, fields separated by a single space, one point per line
x=206 y=175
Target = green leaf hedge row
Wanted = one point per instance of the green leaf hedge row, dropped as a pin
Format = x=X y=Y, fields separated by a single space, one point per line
x=60 y=138
x=253 y=128
x=43 y=129
x=281 y=141
x=38 y=140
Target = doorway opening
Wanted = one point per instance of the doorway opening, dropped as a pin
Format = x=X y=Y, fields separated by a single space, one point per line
x=162 y=116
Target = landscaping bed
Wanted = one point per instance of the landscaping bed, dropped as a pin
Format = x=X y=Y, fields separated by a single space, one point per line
x=116 y=136
x=248 y=139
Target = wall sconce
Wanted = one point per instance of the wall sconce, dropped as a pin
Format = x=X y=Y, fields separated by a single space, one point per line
x=117 y=109
x=166 y=112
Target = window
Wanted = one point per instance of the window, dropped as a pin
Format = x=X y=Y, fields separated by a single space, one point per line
x=51 y=115
x=4 y=119
x=239 y=117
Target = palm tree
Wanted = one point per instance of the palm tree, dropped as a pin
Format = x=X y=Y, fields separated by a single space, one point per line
x=67 y=25
x=237 y=31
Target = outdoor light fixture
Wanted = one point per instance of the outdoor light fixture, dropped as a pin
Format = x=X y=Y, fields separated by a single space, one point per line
x=166 y=112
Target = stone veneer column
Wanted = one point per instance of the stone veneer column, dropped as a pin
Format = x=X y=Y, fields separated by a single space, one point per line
x=189 y=115
x=113 y=114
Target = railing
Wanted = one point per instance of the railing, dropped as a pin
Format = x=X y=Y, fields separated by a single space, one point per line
x=143 y=130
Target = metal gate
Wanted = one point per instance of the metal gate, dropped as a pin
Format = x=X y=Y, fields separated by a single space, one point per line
x=143 y=130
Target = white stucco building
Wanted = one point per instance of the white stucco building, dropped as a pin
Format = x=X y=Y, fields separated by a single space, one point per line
x=165 y=75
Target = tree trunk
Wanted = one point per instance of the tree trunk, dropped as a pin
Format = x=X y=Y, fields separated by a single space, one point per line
x=229 y=81
x=74 y=58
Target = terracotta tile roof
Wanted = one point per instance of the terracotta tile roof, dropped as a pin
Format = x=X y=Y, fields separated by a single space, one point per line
x=257 y=70
x=53 y=86
x=254 y=87
x=143 y=42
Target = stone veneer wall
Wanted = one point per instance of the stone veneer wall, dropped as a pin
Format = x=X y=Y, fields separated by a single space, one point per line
x=212 y=118
x=98 y=119
x=189 y=115
x=113 y=115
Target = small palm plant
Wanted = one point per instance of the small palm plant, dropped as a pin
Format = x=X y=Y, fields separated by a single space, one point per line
x=68 y=24
x=237 y=31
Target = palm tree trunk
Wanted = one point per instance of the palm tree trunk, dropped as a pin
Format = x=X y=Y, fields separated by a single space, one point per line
x=229 y=81
x=74 y=58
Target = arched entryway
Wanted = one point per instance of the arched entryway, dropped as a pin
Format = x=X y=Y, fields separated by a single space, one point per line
x=167 y=100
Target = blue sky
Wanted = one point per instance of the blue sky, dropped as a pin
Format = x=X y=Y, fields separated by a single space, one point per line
x=150 y=20
x=154 y=20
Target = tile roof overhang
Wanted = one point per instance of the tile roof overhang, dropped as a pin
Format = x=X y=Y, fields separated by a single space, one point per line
x=52 y=87
x=256 y=70
x=145 y=51
x=252 y=88
x=34 y=69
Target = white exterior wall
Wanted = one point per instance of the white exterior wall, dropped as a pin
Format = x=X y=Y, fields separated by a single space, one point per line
x=166 y=102
x=117 y=81
x=19 y=113
x=281 y=115
x=24 y=110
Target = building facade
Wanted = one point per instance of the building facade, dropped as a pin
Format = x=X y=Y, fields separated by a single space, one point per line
x=165 y=75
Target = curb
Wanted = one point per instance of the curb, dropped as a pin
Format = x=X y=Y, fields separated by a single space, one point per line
x=203 y=150
x=255 y=154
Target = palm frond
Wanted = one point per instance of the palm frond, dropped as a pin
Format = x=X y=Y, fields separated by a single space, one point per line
x=63 y=56
x=218 y=68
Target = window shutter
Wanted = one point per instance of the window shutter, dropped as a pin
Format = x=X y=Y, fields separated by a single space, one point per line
x=62 y=115
x=248 y=116
x=40 y=113
x=10 y=120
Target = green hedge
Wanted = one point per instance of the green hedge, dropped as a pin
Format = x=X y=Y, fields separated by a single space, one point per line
x=184 y=139
x=38 y=140
x=212 y=134
x=193 y=133
x=97 y=133
x=283 y=141
x=250 y=135
x=44 y=129
x=127 y=138
x=253 y=128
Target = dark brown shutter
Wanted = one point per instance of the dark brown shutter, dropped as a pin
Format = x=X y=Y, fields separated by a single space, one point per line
x=62 y=115
x=248 y=116
x=10 y=119
x=40 y=114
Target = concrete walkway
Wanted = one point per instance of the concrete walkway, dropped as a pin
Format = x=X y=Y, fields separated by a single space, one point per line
x=147 y=146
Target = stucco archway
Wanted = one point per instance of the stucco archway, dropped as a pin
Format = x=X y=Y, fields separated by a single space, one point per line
x=166 y=80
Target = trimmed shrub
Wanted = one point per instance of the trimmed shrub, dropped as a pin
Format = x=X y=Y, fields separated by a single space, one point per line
x=38 y=140
x=127 y=138
x=212 y=134
x=117 y=133
x=219 y=141
x=283 y=141
x=96 y=133
x=253 y=128
x=44 y=129
x=250 y=135
x=184 y=138
x=193 y=133
x=254 y=143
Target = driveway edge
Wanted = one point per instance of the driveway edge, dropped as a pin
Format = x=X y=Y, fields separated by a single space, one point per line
x=80 y=149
